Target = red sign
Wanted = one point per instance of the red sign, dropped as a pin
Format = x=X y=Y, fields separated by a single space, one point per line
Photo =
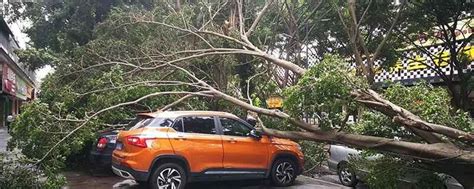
x=8 y=80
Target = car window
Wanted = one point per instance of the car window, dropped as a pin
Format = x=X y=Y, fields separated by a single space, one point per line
x=178 y=125
x=134 y=122
x=141 y=123
x=233 y=127
x=152 y=122
x=160 y=122
x=203 y=125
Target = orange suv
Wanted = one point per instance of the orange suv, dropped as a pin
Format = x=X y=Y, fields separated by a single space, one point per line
x=169 y=149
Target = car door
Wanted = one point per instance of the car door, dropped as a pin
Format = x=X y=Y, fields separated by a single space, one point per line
x=241 y=151
x=197 y=140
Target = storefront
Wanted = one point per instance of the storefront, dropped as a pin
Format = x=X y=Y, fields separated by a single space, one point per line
x=15 y=91
x=18 y=83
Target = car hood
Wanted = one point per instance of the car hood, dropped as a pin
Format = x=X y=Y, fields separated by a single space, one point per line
x=280 y=141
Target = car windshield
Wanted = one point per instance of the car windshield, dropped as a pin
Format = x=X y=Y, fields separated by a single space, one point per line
x=143 y=122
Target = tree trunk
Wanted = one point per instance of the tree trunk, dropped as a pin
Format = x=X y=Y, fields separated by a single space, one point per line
x=178 y=5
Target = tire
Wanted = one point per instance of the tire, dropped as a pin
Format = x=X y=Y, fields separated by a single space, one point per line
x=283 y=172
x=347 y=176
x=167 y=175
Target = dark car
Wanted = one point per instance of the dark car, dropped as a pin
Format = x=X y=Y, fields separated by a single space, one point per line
x=102 y=148
x=101 y=151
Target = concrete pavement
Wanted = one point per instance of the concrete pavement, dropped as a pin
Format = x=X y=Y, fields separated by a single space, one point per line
x=4 y=137
x=333 y=178
x=302 y=182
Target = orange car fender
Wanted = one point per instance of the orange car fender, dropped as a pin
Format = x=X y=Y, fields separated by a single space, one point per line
x=275 y=154
x=170 y=158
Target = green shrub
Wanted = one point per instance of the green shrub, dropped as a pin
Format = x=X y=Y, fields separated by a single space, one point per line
x=18 y=172
x=36 y=130
x=314 y=155
x=382 y=173
x=387 y=172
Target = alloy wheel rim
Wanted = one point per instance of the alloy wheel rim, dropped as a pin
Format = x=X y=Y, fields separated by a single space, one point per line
x=285 y=172
x=346 y=175
x=169 y=178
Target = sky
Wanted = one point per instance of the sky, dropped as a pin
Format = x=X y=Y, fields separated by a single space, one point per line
x=22 y=38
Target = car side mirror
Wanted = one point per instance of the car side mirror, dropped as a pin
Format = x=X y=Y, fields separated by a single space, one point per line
x=256 y=134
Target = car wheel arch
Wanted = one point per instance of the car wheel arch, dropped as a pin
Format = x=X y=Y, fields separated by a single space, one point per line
x=283 y=155
x=180 y=160
x=343 y=162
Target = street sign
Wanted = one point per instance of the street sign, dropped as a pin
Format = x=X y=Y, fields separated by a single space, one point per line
x=275 y=102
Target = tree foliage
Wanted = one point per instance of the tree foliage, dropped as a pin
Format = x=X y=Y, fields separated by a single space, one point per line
x=430 y=103
x=37 y=58
x=325 y=91
x=392 y=173
x=102 y=73
x=61 y=26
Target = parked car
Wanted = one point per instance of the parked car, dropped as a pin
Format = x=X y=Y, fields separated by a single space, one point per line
x=169 y=149
x=101 y=152
x=339 y=158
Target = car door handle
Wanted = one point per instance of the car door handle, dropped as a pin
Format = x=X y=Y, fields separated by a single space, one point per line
x=232 y=140
x=181 y=138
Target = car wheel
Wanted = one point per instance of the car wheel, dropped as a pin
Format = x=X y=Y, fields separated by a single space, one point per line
x=283 y=172
x=168 y=176
x=347 y=176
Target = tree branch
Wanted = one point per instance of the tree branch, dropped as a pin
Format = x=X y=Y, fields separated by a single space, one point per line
x=373 y=100
x=259 y=17
x=183 y=99
x=431 y=152
x=102 y=111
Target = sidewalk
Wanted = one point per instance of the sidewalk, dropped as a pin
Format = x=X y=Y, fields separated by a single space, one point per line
x=4 y=136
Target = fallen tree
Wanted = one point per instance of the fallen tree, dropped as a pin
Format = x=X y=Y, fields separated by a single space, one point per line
x=446 y=148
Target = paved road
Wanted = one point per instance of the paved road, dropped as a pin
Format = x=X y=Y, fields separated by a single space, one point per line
x=333 y=178
x=302 y=182
x=77 y=180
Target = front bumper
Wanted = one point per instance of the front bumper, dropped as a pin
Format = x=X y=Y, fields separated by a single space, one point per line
x=129 y=173
x=332 y=164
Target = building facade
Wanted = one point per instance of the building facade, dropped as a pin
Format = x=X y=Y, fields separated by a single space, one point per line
x=18 y=83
